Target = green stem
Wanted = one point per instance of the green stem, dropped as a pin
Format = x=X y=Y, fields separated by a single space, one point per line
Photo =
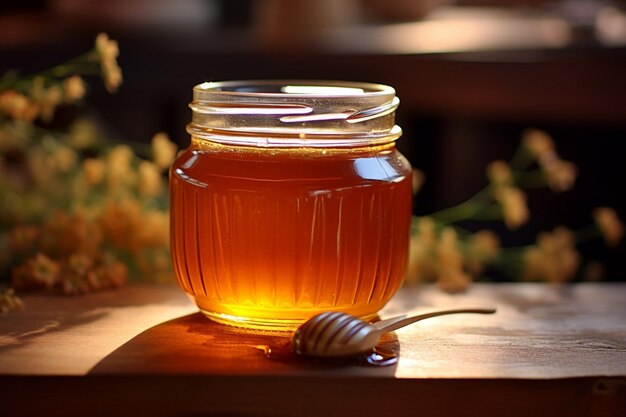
x=491 y=212
x=440 y=225
x=530 y=179
x=86 y=64
x=465 y=210
x=521 y=159
x=63 y=71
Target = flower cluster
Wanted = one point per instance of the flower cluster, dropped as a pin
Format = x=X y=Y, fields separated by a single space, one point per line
x=559 y=174
x=512 y=199
x=9 y=301
x=108 y=51
x=443 y=252
x=438 y=253
x=38 y=96
x=610 y=225
x=78 y=212
x=554 y=258
x=76 y=218
x=42 y=98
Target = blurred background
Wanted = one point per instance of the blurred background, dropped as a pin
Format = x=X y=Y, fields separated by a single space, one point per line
x=472 y=75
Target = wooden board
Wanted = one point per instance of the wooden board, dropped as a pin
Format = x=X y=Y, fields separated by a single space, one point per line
x=548 y=351
x=56 y=335
x=538 y=332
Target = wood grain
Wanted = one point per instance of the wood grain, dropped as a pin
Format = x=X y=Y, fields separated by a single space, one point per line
x=145 y=350
x=538 y=332
x=56 y=335
x=194 y=345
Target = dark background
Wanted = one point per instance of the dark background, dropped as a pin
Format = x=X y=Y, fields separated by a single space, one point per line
x=460 y=107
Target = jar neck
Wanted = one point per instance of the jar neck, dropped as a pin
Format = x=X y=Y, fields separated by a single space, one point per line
x=277 y=140
x=209 y=146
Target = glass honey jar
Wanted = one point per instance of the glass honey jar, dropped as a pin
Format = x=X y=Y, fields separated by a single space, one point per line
x=291 y=199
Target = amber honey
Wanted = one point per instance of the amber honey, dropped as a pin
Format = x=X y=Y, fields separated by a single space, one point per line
x=266 y=237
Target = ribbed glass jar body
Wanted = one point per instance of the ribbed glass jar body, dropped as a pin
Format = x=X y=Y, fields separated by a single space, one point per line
x=266 y=235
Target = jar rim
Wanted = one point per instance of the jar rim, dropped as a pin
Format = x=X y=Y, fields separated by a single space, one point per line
x=294 y=112
x=293 y=88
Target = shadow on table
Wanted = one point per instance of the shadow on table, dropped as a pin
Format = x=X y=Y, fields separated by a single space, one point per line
x=192 y=344
x=45 y=314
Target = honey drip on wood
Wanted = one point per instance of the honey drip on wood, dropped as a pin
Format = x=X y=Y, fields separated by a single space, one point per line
x=283 y=353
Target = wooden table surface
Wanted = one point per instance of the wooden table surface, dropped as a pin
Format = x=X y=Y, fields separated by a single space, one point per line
x=145 y=350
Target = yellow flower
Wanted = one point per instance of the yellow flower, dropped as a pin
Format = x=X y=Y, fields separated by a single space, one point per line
x=539 y=143
x=426 y=229
x=9 y=301
x=163 y=150
x=37 y=89
x=485 y=243
x=50 y=102
x=155 y=265
x=64 y=158
x=65 y=233
x=419 y=268
x=560 y=174
x=450 y=274
x=422 y=252
x=113 y=78
x=39 y=166
x=155 y=229
x=121 y=224
x=94 y=170
x=47 y=99
x=115 y=274
x=108 y=52
x=79 y=264
x=533 y=263
x=610 y=225
x=483 y=246
x=448 y=252
x=149 y=181
x=418 y=180
x=499 y=173
x=39 y=271
x=514 y=208
x=553 y=259
x=118 y=168
x=83 y=133
x=106 y=48
x=120 y=157
x=73 y=88
x=454 y=281
x=17 y=106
